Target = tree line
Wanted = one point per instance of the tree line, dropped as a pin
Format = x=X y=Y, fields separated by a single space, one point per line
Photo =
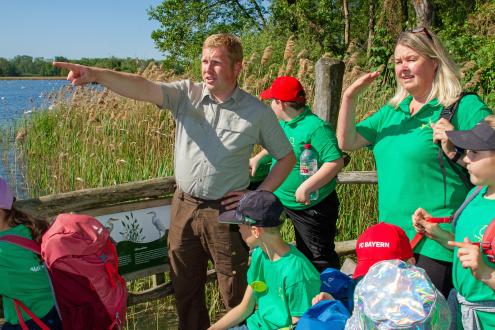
x=27 y=66
x=363 y=29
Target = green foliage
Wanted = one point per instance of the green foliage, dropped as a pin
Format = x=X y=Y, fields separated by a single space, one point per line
x=382 y=48
x=185 y=25
x=319 y=22
x=28 y=66
x=472 y=43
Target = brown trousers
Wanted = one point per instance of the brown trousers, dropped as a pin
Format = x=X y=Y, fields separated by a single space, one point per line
x=195 y=236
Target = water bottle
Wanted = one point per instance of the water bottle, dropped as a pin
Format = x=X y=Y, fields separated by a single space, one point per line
x=308 y=165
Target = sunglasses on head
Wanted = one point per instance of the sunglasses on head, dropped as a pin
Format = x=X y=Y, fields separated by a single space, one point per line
x=421 y=30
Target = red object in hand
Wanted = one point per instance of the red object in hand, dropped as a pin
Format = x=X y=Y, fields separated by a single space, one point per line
x=419 y=236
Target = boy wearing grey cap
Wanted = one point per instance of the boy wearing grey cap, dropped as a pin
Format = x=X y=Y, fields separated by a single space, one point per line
x=473 y=272
x=281 y=280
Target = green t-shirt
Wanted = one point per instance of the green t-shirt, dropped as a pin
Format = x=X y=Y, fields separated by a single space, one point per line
x=472 y=224
x=307 y=128
x=23 y=277
x=409 y=174
x=291 y=282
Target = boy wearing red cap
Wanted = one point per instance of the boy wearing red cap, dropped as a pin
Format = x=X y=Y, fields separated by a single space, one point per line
x=314 y=220
x=379 y=242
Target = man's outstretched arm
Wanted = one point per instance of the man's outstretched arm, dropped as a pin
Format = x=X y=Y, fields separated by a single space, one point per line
x=129 y=85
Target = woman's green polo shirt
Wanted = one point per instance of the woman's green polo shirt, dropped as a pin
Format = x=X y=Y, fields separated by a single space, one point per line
x=409 y=174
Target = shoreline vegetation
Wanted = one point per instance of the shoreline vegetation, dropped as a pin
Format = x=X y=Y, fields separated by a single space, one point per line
x=35 y=78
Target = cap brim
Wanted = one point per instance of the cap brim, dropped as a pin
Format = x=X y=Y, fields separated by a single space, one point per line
x=266 y=94
x=468 y=140
x=230 y=217
x=362 y=268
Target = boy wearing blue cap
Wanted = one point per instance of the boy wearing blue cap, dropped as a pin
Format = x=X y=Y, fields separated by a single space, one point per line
x=281 y=280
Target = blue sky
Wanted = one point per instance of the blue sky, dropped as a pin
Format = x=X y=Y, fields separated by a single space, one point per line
x=75 y=29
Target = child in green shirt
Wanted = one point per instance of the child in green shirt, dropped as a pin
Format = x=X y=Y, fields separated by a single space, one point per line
x=473 y=275
x=22 y=275
x=314 y=220
x=281 y=280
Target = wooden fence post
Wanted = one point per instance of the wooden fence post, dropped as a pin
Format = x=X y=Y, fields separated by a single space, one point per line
x=329 y=74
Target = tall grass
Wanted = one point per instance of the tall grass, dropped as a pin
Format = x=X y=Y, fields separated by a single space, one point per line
x=95 y=138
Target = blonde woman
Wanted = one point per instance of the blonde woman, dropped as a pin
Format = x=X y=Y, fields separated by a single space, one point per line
x=403 y=135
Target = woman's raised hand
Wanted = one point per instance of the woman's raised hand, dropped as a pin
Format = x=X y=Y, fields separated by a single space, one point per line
x=361 y=84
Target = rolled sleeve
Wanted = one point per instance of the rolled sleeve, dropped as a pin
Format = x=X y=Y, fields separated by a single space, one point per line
x=173 y=94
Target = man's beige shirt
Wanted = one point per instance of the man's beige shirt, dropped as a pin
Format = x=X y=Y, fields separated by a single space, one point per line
x=214 y=141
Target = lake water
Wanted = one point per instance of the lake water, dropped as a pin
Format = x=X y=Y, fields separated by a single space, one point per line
x=19 y=98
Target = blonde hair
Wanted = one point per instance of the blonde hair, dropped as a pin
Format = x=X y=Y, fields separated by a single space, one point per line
x=230 y=42
x=446 y=85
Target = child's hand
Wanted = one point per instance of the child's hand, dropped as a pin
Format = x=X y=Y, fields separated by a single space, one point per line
x=421 y=224
x=418 y=218
x=302 y=195
x=469 y=255
x=321 y=296
x=253 y=165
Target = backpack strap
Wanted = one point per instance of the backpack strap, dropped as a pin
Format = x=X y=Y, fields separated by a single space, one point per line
x=33 y=317
x=448 y=113
x=23 y=242
x=463 y=205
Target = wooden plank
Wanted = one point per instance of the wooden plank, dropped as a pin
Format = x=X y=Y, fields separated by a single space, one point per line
x=358 y=177
x=159 y=291
x=153 y=189
x=129 y=207
x=86 y=199
x=146 y=272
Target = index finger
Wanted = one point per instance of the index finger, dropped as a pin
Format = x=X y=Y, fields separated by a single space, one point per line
x=369 y=77
x=459 y=244
x=64 y=65
x=235 y=193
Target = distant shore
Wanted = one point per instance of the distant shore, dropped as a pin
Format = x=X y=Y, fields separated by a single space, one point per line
x=33 y=78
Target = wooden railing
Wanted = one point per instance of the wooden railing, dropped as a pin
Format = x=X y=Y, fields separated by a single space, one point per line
x=143 y=194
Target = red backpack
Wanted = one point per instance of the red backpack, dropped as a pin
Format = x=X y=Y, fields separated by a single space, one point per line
x=82 y=263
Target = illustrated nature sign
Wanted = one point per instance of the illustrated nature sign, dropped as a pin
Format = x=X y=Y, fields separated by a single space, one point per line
x=141 y=237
